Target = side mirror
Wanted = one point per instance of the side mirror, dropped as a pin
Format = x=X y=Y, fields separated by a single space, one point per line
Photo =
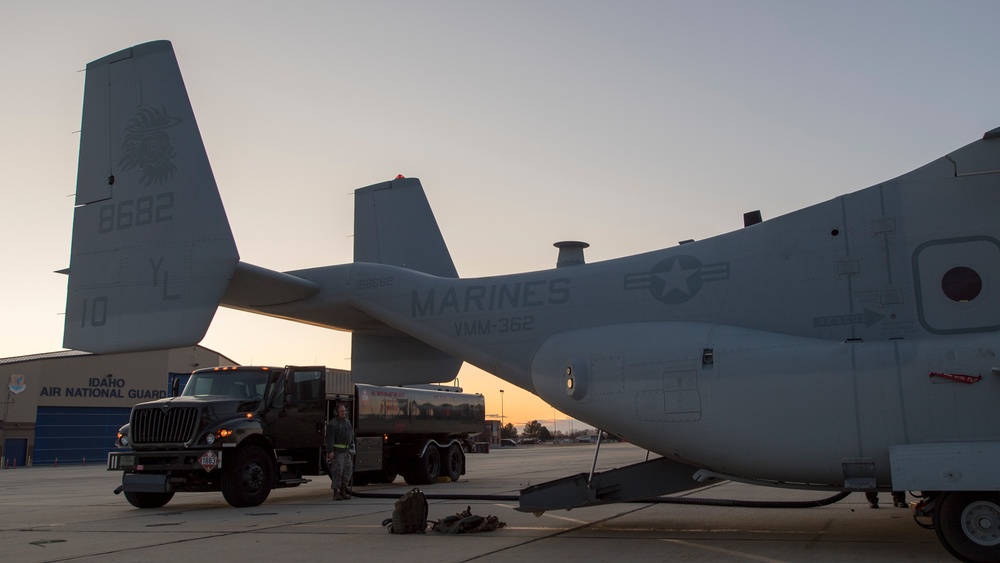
x=175 y=387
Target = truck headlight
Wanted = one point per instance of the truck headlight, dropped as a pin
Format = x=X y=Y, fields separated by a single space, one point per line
x=123 y=441
x=220 y=434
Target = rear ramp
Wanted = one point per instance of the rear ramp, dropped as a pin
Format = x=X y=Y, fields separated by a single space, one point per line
x=643 y=480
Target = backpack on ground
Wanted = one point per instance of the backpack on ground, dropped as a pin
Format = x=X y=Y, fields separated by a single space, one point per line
x=409 y=515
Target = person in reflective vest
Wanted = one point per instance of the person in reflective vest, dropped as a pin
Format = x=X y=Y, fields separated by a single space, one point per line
x=339 y=437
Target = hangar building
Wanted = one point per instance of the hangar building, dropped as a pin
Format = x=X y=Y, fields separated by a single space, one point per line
x=66 y=407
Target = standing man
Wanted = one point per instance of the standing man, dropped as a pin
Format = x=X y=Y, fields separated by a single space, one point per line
x=339 y=437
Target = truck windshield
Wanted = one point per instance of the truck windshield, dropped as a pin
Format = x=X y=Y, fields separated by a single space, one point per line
x=238 y=384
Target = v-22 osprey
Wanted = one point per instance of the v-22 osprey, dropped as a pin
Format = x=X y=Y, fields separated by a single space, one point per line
x=847 y=346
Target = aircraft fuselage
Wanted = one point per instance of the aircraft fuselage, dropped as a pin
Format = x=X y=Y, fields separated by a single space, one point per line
x=823 y=327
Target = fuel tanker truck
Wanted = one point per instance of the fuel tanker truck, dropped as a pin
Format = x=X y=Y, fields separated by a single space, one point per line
x=247 y=430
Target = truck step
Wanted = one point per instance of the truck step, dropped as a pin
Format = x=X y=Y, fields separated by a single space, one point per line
x=290 y=461
x=292 y=481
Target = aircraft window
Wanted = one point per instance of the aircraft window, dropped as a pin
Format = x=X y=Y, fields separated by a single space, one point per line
x=961 y=284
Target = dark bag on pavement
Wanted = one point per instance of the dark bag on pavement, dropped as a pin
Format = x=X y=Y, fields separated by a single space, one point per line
x=409 y=515
x=466 y=522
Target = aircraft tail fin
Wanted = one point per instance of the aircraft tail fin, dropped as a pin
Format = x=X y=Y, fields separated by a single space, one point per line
x=152 y=251
x=394 y=225
x=399 y=359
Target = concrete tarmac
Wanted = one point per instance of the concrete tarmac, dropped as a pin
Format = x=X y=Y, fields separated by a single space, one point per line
x=69 y=513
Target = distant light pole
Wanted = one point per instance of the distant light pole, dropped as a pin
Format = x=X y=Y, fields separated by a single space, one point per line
x=502 y=425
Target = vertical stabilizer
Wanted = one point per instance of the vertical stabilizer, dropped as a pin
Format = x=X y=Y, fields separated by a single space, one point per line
x=399 y=359
x=152 y=252
x=394 y=225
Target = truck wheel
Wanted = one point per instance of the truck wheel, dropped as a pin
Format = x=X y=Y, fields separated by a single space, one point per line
x=148 y=500
x=426 y=469
x=968 y=525
x=247 y=479
x=453 y=462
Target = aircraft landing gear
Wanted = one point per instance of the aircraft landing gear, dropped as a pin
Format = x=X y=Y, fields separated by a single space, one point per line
x=968 y=525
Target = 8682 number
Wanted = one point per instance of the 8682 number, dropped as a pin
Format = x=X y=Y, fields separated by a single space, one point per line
x=137 y=212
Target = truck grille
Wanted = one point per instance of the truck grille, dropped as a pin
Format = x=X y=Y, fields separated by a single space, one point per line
x=157 y=426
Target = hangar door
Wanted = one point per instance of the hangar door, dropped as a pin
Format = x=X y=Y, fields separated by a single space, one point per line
x=15 y=452
x=75 y=434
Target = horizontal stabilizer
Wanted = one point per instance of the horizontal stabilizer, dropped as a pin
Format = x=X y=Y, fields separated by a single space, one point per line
x=152 y=251
x=253 y=287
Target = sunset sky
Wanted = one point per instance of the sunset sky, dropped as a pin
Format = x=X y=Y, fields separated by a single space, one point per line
x=629 y=125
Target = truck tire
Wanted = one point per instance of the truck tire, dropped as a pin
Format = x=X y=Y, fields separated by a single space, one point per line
x=453 y=462
x=248 y=478
x=148 y=500
x=424 y=470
